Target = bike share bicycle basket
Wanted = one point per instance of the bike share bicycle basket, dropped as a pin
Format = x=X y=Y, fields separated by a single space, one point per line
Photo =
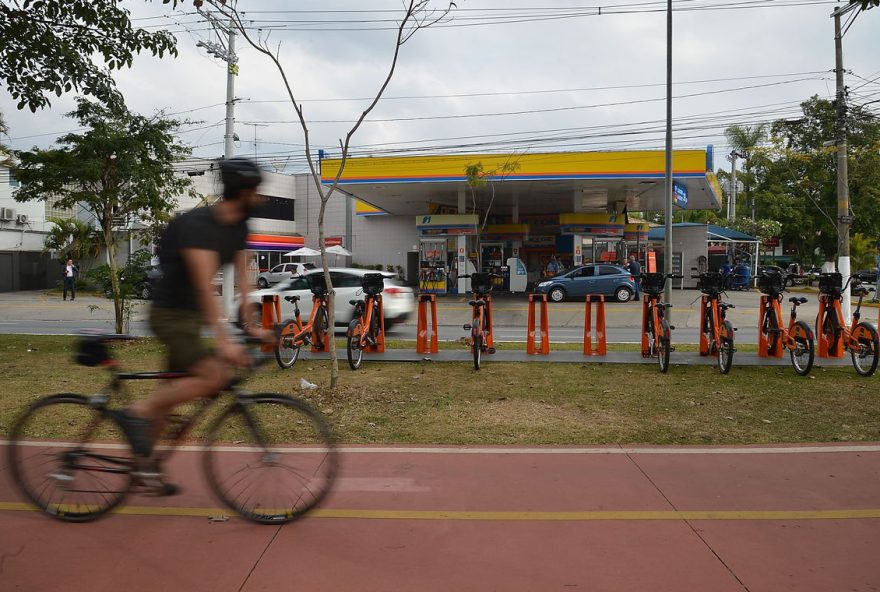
x=831 y=283
x=481 y=283
x=317 y=284
x=653 y=283
x=771 y=282
x=373 y=283
x=710 y=282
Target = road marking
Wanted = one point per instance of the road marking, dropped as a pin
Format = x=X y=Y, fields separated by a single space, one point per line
x=509 y=516
x=672 y=450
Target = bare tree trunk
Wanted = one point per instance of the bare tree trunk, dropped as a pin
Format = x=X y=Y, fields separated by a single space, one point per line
x=331 y=299
x=115 y=287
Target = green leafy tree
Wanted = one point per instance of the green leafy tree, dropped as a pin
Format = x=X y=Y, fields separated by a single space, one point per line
x=746 y=140
x=477 y=177
x=56 y=46
x=866 y=4
x=73 y=239
x=121 y=168
x=797 y=177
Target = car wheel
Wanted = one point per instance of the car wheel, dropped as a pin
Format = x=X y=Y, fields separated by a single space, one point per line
x=557 y=294
x=623 y=294
x=262 y=283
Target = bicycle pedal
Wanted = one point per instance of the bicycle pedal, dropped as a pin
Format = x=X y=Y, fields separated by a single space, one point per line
x=467 y=327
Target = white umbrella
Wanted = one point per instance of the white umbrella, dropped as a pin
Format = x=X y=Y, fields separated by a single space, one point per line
x=339 y=250
x=303 y=252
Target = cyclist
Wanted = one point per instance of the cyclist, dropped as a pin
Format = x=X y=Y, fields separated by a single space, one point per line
x=193 y=248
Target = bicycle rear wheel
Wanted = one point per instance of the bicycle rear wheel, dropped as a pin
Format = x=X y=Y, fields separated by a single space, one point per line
x=725 y=352
x=284 y=468
x=58 y=462
x=355 y=353
x=804 y=351
x=865 y=359
x=286 y=347
x=663 y=346
x=477 y=348
x=323 y=330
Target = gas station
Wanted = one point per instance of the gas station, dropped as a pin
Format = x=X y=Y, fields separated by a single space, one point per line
x=527 y=208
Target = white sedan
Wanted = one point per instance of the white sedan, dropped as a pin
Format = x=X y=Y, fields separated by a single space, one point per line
x=398 y=301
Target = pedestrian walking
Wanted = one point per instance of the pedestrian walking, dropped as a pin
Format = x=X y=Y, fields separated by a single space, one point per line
x=635 y=270
x=71 y=272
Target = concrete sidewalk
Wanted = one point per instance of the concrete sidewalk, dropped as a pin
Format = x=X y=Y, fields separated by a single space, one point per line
x=757 y=519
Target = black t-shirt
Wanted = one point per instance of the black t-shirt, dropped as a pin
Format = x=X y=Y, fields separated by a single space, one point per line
x=196 y=229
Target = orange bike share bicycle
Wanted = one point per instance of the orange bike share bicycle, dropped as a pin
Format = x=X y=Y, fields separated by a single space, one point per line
x=292 y=334
x=797 y=337
x=368 y=325
x=481 y=321
x=860 y=339
x=717 y=333
x=658 y=331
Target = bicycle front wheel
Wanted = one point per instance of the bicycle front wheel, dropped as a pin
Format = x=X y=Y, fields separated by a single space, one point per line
x=663 y=346
x=355 y=352
x=59 y=463
x=725 y=352
x=287 y=347
x=865 y=358
x=804 y=351
x=283 y=463
x=477 y=348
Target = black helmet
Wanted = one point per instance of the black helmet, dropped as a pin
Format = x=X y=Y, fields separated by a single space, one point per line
x=238 y=174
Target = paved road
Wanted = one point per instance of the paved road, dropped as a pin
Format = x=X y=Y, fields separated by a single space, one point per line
x=746 y=519
x=38 y=313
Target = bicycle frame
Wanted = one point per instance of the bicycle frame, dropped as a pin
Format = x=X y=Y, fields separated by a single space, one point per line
x=481 y=316
x=709 y=306
x=654 y=313
x=372 y=305
x=830 y=306
x=318 y=302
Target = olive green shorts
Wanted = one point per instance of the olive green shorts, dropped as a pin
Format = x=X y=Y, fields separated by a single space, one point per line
x=180 y=330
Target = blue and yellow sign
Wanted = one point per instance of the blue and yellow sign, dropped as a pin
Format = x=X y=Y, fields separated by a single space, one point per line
x=599 y=225
x=637 y=232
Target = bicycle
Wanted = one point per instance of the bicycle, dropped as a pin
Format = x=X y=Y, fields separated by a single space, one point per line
x=797 y=337
x=658 y=331
x=368 y=323
x=78 y=475
x=861 y=338
x=481 y=318
x=292 y=334
x=717 y=333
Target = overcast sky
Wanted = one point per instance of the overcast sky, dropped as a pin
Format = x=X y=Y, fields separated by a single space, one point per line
x=535 y=80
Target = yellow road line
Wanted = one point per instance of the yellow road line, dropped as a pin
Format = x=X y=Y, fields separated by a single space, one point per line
x=513 y=516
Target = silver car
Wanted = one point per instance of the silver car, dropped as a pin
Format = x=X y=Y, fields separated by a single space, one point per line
x=281 y=272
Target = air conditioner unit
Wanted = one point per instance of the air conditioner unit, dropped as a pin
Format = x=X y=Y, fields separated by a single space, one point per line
x=7 y=214
x=21 y=219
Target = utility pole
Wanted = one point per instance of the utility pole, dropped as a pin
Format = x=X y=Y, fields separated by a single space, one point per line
x=731 y=203
x=844 y=219
x=667 y=243
x=226 y=53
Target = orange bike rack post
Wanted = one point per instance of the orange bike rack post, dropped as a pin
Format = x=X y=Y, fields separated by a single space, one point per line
x=601 y=348
x=704 y=342
x=544 y=348
x=271 y=315
x=379 y=346
x=424 y=343
x=763 y=344
x=823 y=351
x=324 y=339
x=646 y=347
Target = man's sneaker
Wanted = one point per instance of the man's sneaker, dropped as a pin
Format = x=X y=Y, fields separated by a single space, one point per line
x=149 y=477
x=138 y=431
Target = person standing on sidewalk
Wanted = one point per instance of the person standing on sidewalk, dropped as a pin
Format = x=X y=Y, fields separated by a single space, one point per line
x=635 y=270
x=877 y=279
x=71 y=271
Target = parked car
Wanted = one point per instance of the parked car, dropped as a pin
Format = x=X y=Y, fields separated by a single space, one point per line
x=608 y=280
x=867 y=276
x=281 y=272
x=398 y=300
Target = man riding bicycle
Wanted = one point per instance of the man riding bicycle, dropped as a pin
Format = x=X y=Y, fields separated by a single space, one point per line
x=192 y=249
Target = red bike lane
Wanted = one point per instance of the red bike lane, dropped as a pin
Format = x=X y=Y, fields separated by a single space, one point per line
x=653 y=519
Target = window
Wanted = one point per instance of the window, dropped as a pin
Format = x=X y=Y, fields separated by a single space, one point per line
x=345 y=280
x=278 y=268
x=276 y=208
x=296 y=284
x=608 y=270
x=582 y=272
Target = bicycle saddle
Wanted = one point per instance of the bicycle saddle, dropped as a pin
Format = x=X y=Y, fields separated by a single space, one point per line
x=477 y=303
x=292 y=299
x=796 y=300
x=726 y=305
x=355 y=302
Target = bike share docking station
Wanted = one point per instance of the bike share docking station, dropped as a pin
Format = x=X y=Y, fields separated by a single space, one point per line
x=601 y=338
x=769 y=305
x=825 y=349
x=544 y=347
x=427 y=341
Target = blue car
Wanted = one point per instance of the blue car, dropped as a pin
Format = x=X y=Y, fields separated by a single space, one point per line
x=611 y=281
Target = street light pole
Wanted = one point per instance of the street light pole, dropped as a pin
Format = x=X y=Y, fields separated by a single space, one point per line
x=844 y=219
x=667 y=243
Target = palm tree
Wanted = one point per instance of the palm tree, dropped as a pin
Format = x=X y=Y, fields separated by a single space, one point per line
x=744 y=139
x=76 y=239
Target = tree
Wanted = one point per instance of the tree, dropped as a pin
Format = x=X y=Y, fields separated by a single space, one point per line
x=866 y=4
x=74 y=239
x=478 y=177
x=797 y=177
x=120 y=169
x=55 y=46
x=416 y=15
x=745 y=140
